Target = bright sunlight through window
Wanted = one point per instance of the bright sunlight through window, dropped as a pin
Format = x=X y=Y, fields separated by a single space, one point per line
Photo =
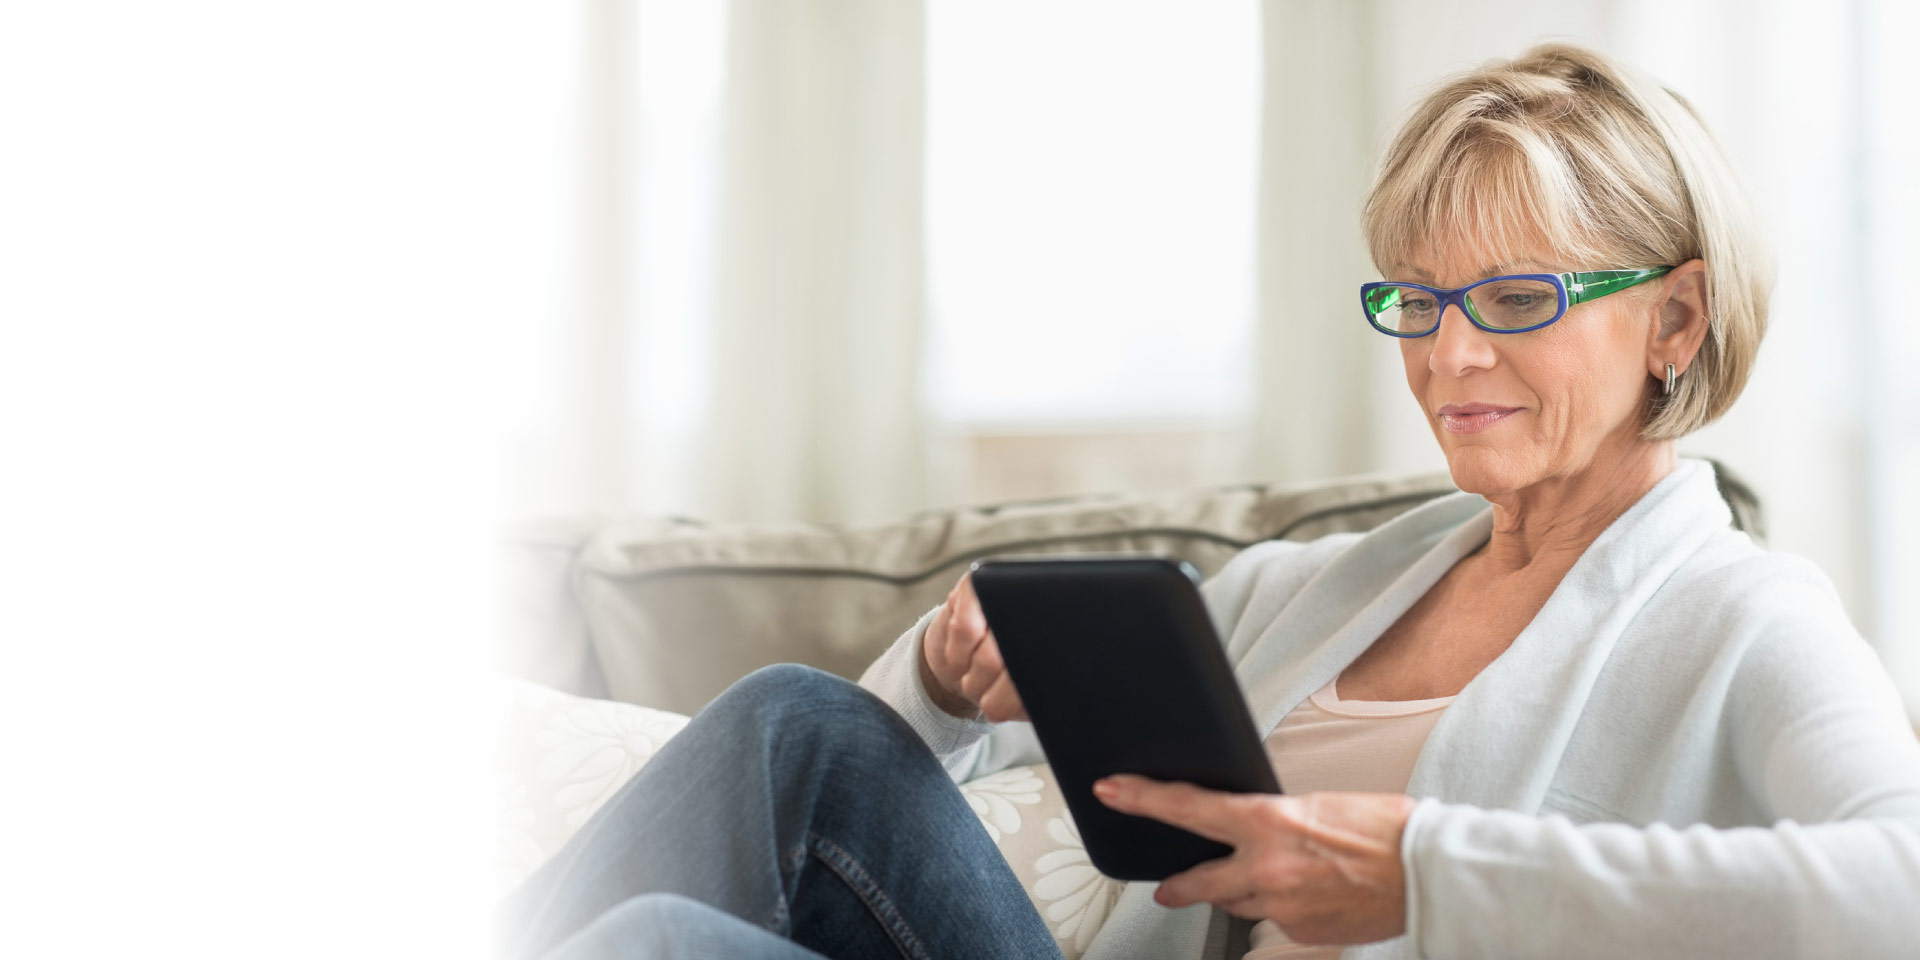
x=1090 y=199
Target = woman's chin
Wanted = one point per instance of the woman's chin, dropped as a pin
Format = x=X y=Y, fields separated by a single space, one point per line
x=1480 y=469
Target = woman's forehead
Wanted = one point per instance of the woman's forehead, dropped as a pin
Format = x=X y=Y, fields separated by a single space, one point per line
x=1481 y=240
x=1460 y=270
x=1456 y=256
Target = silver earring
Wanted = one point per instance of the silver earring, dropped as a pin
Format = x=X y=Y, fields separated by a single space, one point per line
x=1669 y=379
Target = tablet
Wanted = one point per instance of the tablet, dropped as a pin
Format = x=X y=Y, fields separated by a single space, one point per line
x=1120 y=670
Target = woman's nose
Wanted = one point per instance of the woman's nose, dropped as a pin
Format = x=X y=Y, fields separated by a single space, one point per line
x=1459 y=346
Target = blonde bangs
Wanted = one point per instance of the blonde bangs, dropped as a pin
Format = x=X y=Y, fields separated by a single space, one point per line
x=1488 y=193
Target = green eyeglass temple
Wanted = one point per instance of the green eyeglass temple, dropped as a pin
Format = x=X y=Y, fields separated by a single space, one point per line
x=1595 y=284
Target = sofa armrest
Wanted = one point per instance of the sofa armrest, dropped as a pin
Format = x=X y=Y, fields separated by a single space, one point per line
x=539 y=632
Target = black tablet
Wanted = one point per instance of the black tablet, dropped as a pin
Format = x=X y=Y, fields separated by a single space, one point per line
x=1118 y=665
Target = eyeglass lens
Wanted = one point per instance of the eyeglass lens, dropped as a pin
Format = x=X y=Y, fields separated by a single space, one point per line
x=1503 y=304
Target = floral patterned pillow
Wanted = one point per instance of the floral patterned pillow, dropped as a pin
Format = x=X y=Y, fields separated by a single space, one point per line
x=1027 y=817
x=560 y=757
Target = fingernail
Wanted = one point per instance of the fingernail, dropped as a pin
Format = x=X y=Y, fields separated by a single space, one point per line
x=1105 y=788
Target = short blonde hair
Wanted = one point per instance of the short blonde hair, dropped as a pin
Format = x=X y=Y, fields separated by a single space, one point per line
x=1612 y=168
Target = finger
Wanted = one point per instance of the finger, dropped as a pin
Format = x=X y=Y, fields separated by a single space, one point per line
x=1001 y=701
x=1215 y=881
x=935 y=642
x=983 y=668
x=965 y=631
x=987 y=654
x=953 y=594
x=1225 y=817
x=977 y=681
x=967 y=614
x=1247 y=908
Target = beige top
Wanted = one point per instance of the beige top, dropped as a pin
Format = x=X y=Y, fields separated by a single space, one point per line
x=1327 y=743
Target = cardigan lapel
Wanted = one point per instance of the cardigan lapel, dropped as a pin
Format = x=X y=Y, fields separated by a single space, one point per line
x=1499 y=743
x=1351 y=601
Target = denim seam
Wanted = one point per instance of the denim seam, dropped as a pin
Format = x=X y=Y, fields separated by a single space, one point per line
x=782 y=923
x=850 y=872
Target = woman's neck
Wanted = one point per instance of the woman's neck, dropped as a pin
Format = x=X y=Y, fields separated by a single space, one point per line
x=1552 y=522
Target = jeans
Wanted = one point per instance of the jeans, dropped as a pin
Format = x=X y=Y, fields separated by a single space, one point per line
x=797 y=816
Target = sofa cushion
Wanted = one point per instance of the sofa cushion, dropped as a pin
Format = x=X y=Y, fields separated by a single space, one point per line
x=669 y=612
x=559 y=758
x=676 y=610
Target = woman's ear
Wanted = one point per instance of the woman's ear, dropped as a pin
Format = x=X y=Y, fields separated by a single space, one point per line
x=1681 y=320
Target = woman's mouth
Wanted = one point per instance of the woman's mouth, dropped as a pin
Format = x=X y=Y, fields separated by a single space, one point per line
x=1473 y=417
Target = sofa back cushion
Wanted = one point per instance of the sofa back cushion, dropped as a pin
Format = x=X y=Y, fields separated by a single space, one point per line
x=675 y=610
x=669 y=612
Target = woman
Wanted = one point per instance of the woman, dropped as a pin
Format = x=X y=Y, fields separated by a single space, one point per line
x=1631 y=731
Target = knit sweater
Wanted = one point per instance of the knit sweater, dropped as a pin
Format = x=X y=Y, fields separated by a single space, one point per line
x=1689 y=752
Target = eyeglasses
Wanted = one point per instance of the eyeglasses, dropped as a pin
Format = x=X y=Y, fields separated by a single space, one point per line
x=1514 y=303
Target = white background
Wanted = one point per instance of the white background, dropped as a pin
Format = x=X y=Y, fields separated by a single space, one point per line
x=251 y=260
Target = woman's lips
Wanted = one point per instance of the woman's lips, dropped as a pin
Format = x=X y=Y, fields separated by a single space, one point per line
x=1473 y=417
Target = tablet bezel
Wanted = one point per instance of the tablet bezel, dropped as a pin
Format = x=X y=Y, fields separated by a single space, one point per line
x=1120 y=669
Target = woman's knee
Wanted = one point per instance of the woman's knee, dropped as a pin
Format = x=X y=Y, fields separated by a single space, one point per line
x=794 y=689
x=797 y=704
x=793 y=678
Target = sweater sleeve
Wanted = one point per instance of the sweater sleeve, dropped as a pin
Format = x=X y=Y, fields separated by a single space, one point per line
x=1817 y=733
x=967 y=746
x=1488 y=883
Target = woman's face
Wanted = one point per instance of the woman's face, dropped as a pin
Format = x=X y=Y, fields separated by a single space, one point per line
x=1511 y=410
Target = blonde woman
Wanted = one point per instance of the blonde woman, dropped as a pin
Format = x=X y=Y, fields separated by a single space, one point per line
x=1568 y=712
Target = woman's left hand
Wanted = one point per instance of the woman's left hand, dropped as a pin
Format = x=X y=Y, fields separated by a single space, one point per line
x=1324 y=866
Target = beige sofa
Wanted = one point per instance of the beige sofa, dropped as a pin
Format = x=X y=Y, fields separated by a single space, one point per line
x=668 y=612
x=615 y=630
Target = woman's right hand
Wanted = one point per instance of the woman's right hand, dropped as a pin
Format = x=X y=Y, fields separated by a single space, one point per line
x=960 y=661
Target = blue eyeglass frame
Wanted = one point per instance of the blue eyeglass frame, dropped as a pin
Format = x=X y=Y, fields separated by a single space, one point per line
x=1572 y=288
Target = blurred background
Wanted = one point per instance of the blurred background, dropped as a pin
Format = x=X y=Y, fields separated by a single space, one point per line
x=760 y=259
x=840 y=260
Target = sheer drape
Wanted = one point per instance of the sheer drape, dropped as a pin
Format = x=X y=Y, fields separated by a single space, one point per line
x=1317 y=396
x=723 y=244
x=818 y=311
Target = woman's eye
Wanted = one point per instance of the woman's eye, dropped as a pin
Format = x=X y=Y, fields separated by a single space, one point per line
x=1417 y=304
x=1520 y=299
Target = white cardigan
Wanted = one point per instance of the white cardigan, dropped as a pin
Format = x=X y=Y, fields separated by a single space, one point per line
x=1689 y=752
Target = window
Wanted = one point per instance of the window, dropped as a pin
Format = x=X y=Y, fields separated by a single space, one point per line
x=1090 y=199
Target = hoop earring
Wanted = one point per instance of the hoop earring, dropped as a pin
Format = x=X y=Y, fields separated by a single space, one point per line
x=1669 y=379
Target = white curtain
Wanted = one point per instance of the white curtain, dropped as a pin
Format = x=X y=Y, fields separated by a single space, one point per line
x=721 y=231
x=816 y=406
x=1315 y=411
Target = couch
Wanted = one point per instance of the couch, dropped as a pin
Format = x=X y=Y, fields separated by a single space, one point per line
x=615 y=630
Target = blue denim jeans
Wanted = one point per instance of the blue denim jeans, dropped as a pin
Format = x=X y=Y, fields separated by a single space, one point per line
x=797 y=816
